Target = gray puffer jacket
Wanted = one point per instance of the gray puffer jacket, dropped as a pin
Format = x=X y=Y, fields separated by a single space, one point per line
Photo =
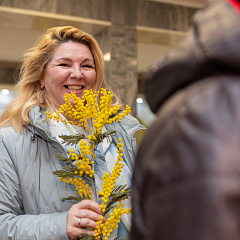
x=30 y=205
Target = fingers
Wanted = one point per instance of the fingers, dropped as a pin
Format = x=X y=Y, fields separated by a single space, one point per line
x=87 y=223
x=88 y=218
x=89 y=205
x=82 y=218
x=74 y=232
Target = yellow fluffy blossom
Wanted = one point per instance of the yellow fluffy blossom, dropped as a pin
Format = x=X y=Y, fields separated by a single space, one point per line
x=92 y=112
x=112 y=222
x=81 y=111
x=109 y=181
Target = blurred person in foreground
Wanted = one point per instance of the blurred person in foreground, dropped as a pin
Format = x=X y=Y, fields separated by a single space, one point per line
x=186 y=180
x=64 y=60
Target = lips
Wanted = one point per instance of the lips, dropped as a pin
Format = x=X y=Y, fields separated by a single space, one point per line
x=74 y=87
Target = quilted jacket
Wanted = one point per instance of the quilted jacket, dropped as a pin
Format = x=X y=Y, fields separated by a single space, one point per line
x=30 y=206
x=186 y=181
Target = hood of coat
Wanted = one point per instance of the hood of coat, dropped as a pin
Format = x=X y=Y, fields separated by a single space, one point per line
x=211 y=47
x=38 y=124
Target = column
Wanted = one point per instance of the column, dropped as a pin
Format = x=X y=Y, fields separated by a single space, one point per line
x=123 y=49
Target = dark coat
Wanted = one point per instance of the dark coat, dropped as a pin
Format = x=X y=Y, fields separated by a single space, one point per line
x=186 y=181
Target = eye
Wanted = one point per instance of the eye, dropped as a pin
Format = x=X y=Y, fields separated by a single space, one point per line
x=63 y=65
x=87 y=66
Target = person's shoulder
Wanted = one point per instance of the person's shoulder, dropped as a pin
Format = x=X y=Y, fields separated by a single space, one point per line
x=129 y=124
x=9 y=133
x=7 y=130
x=129 y=119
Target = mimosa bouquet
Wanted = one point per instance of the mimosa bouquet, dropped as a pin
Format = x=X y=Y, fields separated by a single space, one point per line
x=91 y=113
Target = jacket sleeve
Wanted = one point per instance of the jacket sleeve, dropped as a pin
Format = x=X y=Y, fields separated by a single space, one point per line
x=127 y=128
x=14 y=224
x=186 y=181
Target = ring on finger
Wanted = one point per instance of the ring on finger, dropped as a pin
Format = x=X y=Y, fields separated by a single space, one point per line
x=79 y=222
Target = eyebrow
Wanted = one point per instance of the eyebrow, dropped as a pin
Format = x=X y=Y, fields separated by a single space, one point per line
x=69 y=59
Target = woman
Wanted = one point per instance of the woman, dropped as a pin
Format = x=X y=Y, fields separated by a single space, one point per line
x=64 y=60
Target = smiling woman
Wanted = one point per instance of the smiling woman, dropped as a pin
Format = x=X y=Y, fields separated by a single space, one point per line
x=64 y=60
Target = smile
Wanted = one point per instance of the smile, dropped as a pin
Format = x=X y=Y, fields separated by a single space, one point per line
x=74 y=87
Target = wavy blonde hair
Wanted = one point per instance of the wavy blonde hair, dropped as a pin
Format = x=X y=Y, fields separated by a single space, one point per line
x=28 y=88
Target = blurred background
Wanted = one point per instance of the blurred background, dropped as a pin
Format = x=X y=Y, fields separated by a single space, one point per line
x=133 y=34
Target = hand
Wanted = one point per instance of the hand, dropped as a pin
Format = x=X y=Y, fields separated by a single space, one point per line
x=89 y=212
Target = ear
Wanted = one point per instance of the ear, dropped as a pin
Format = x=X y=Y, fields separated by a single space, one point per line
x=42 y=82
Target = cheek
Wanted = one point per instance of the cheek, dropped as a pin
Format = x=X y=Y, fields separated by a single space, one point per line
x=92 y=77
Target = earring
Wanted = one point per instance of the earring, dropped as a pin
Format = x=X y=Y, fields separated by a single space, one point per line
x=42 y=87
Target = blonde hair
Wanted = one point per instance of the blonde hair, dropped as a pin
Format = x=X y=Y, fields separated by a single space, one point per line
x=28 y=89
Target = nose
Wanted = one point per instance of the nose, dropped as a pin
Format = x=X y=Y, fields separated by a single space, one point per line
x=76 y=73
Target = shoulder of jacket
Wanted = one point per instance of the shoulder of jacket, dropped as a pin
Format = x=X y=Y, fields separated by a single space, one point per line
x=9 y=131
x=128 y=125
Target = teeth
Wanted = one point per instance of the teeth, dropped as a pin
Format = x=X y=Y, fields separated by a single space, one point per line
x=75 y=87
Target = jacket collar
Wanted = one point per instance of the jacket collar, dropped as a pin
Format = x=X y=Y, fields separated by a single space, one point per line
x=38 y=123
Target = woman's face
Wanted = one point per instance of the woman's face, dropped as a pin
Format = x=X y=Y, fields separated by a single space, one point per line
x=71 y=69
